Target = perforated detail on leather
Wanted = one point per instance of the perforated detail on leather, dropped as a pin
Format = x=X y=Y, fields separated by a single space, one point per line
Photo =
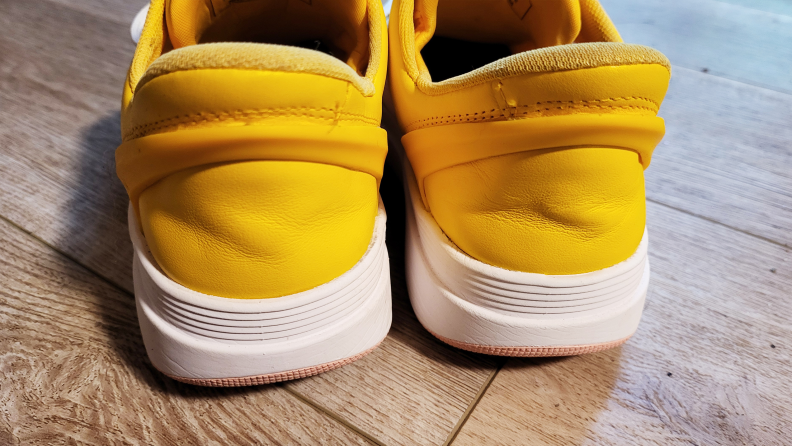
x=546 y=108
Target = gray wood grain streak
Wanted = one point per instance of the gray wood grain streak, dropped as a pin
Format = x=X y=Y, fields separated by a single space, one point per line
x=726 y=154
x=119 y=11
x=783 y=7
x=59 y=127
x=75 y=370
x=714 y=310
x=72 y=356
x=728 y=40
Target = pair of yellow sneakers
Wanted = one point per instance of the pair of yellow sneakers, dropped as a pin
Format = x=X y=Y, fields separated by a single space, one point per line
x=252 y=154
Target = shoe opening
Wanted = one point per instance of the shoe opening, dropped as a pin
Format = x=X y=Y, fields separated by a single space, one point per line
x=455 y=37
x=336 y=27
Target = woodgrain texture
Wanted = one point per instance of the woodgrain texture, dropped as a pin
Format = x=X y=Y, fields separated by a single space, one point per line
x=726 y=39
x=783 y=7
x=726 y=155
x=59 y=121
x=701 y=369
x=57 y=181
x=74 y=367
x=75 y=370
x=414 y=388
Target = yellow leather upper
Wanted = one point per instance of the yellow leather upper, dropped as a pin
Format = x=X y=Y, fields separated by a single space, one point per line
x=234 y=97
x=254 y=167
x=566 y=211
x=259 y=229
x=631 y=89
x=567 y=205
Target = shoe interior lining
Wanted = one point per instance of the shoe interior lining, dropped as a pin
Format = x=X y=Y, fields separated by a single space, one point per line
x=336 y=27
x=469 y=34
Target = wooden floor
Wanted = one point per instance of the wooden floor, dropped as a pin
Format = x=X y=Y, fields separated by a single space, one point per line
x=711 y=363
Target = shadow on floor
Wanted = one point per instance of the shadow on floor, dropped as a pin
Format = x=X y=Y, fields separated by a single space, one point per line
x=97 y=236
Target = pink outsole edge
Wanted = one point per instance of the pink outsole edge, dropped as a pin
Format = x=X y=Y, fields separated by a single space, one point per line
x=524 y=352
x=272 y=378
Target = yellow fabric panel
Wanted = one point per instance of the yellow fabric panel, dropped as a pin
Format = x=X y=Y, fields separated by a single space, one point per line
x=596 y=26
x=148 y=49
x=187 y=20
x=259 y=229
x=559 y=211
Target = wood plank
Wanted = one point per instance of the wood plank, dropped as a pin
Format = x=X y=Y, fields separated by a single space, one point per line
x=75 y=370
x=60 y=91
x=726 y=155
x=119 y=11
x=727 y=40
x=717 y=321
x=783 y=7
x=57 y=181
x=413 y=389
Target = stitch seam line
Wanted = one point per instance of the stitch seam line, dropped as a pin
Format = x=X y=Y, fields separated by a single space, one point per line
x=243 y=115
x=560 y=106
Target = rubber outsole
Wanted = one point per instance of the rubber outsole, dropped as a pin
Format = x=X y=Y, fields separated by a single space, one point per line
x=532 y=352
x=272 y=378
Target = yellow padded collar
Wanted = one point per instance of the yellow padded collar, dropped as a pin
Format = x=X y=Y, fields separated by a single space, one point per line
x=436 y=148
x=143 y=161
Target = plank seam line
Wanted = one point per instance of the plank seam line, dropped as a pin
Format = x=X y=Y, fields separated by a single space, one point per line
x=69 y=257
x=130 y=294
x=121 y=21
x=737 y=79
x=711 y=220
x=332 y=415
x=463 y=419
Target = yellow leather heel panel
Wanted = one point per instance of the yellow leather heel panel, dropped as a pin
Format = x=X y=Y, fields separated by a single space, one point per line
x=555 y=211
x=259 y=229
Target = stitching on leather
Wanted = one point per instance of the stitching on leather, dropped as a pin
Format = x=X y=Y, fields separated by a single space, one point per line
x=560 y=105
x=207 y=117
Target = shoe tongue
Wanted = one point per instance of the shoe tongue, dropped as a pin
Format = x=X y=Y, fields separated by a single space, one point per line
x=521 y=24
x=340 y=25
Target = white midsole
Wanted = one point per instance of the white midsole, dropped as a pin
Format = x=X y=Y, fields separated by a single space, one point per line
x=460 y=298
x=193 y=335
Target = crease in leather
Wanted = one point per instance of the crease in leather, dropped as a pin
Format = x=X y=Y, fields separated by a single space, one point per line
x=569 y=204
x=259 y=229
x=557 y=211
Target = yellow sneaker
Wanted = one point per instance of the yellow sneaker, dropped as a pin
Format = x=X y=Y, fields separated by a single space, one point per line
x=528 y=125
x=253 y=171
